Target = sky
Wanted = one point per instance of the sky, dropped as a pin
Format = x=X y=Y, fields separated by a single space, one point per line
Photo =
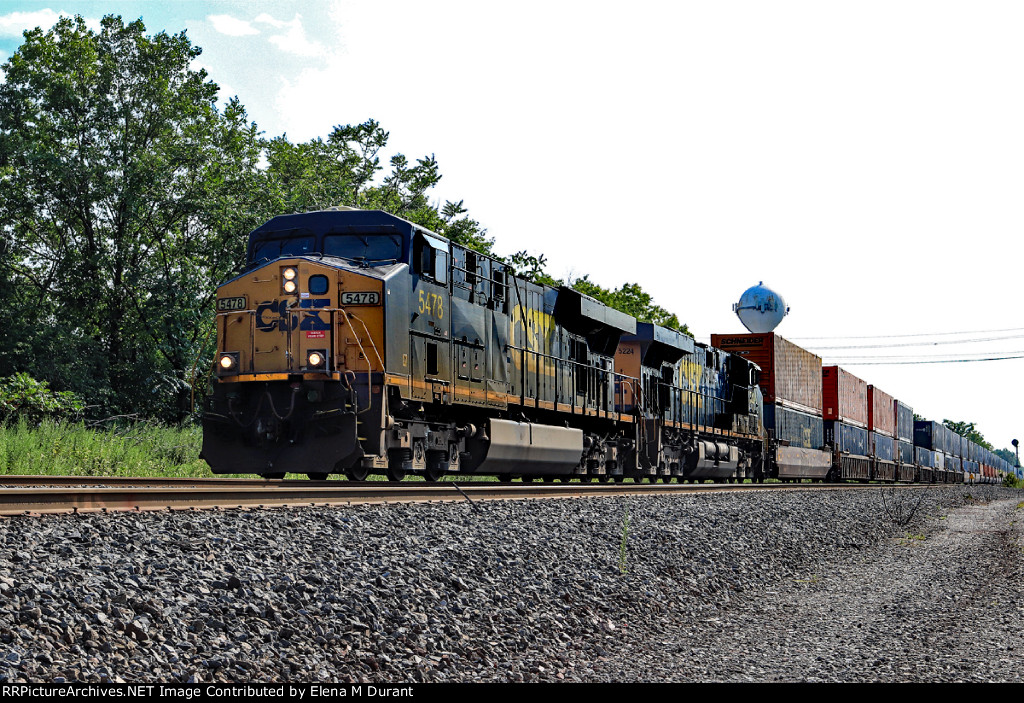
x=864 y=159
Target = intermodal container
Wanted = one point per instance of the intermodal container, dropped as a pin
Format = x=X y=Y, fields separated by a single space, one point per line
x=953 y=442
x=790 y=375
x=796 y=428
x=881 y=412
x=924 y=457
x=929 y=435
x=905 y=452
x=846 y=438
x=844 y=397
x=904 y=421
x=884 y=447
x=952 y=463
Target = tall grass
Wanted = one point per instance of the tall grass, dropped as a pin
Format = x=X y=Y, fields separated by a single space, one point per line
x=72 y=449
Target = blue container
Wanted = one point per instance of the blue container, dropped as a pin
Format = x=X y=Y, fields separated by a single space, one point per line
x=905 y=451
x=846 y=438
x=924 y=457
x=904 y=422
x=884 y=447
x=797 y=428
x=930 y=435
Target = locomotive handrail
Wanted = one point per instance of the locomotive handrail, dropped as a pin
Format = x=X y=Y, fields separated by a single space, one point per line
x=369 y=370
x=573 y=367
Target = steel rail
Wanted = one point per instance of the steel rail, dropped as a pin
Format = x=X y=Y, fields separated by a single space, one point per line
x=72 y=499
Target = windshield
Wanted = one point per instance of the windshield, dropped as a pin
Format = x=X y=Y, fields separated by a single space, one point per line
x=364 y=247
x=270 y=249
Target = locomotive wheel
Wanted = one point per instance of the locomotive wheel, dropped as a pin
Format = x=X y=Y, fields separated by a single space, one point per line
x=274 y=476
x=638 y=479
x=604 y=478
x=357 y=473
x=504 y=478
x=437 y=466
x=666 y=479
x=620 y=479
x=652 y=479
x=565 y=479
x=318 y=476
x=549 y=479
x=586 y=479
x=527 y=479
x=395 y=474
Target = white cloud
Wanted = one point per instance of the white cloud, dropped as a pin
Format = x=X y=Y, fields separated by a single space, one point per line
x=14 y=23
x=232 y=26
x=294 y=40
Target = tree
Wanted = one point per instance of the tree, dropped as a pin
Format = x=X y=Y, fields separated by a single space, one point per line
x=343 y=170
x=967 y=429
x=1007 y=455
x=630 y=298
x=124 y=195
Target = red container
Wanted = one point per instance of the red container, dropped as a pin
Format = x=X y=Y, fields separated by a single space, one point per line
x=881 y=412
x=790 y=375
x=844 y=396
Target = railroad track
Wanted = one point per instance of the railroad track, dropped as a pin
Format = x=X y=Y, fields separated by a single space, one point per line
x=72 y=494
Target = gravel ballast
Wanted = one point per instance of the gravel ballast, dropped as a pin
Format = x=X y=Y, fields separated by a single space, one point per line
x=790 y=586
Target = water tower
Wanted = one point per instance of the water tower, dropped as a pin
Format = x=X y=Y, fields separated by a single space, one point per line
x=760 y=308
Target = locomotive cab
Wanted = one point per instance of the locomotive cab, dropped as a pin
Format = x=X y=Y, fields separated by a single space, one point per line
x=300 y=349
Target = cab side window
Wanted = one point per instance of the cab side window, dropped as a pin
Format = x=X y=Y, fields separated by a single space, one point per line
x=430 y=261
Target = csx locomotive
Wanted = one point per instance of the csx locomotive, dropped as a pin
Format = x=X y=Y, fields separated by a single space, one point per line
x=357 y=342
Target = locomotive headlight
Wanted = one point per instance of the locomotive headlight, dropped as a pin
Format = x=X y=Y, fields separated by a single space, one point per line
x=316 y=359
x=289 y=274
x=289 y=286
x=228 y=362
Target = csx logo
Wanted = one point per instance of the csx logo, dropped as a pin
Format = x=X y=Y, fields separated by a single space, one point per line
x=535 y=327
x=273 y=315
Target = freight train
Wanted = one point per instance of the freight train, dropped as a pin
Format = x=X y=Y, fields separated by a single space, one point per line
x=355 y=342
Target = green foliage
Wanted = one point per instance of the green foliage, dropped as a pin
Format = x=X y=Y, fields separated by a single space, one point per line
x=633 y=300
x=124 y=197
x=1011 y=481
x=22 y=398
x=532 y=268
x=630 y=298
x=343 y=170
x=968 y=430
x=1007 y=455
x=60 y=448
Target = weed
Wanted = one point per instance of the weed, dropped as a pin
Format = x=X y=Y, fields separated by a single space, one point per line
x=73 y=449
x=899 y=505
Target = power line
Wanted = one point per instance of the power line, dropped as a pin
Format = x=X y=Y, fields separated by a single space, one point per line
x=922 y=344
x=921 y=334
x=880 y=357
x=946 y=361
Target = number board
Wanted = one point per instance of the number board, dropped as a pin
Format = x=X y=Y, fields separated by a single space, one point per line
x=229 y=304
x=360 y=298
